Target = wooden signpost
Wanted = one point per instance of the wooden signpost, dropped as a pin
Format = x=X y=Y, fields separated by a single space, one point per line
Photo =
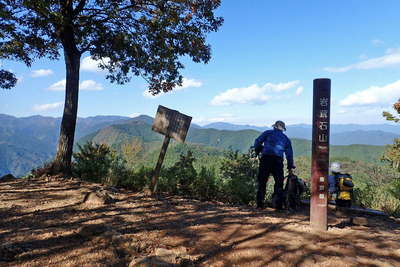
x=171 y=124
x=320 y=154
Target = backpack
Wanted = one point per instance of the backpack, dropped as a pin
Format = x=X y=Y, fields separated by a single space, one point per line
x=344 y=185
x=294 y=187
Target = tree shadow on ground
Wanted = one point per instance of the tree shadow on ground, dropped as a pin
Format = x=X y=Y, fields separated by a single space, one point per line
x=213 y=233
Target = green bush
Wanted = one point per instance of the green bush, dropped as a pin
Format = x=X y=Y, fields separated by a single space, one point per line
x=117 y=171
x=99 y=163
x=93 y=162
x=376 y=196
x=179 y=178
x=395 y=189
x=206 y=185
x=238 y=172
x=137 y=180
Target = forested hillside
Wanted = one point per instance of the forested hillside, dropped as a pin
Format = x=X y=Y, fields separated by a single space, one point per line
x=118 y=135
x=26 y=143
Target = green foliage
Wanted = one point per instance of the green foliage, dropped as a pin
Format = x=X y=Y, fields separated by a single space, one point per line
x=117 y=170
x=206 y=185
x=179 y=178
x=377 y=197
x=391 y=117
x=99 y=163
x=141 y=38
x=136 y=179
x=238 y=172
x=392 y=154
x=93 y=162
x=7 y=79
x=395 y=188
x=234 y=184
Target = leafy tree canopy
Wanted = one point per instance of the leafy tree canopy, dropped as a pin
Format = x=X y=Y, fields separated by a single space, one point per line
x=389 y=116
x=129 y=37
x=7 y=79
x=392 y=153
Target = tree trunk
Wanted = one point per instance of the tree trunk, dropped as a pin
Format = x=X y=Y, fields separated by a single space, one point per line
x=62 y=162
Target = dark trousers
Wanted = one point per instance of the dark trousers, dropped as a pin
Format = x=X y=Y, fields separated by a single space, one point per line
x=269 y=164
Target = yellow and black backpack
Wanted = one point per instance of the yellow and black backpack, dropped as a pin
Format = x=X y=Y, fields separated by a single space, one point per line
x=344 y=185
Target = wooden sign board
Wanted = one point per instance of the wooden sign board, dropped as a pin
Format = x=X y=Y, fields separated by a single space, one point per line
x=171 y=123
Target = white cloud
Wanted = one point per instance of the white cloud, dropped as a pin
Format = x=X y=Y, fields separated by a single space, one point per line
x=392 y=58
x=147 y=94
x=47 y=107
x=58 y=86
x=299 y=90
x=20 y=79
x=89 y=64
x=41 y=73
x=186 y=83
x=88 y=85
x=363 y=56
x=225 y=117
x=252 y=94
x=374 y=95
x=377 y=42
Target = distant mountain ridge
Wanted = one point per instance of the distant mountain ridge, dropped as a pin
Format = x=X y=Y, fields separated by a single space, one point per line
x=30 y=141
x=341 y=134
x=117 y=135
x=335 y=128
x=234 y=127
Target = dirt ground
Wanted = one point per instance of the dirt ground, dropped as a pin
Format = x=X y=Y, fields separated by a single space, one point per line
x=57 y=222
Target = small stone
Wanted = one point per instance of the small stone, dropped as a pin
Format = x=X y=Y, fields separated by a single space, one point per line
x=166 y=254
x=97 y=198
x=93 y=199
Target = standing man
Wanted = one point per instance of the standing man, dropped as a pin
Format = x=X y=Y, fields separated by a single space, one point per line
x=272 y=144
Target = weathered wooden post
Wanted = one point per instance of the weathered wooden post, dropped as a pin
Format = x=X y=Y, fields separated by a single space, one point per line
x=320 y=154
x=171 y=124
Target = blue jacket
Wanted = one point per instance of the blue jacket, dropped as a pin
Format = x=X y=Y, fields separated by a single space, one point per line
x=276 y=143
x=332 y=184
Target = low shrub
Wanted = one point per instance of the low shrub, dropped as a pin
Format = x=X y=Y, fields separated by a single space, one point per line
x=137 y=180
x=238 y=173
x=377 y=197
x=179 y=178
x=93 y=162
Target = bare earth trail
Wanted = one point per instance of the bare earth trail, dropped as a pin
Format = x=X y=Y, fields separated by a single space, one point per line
x=54 y=223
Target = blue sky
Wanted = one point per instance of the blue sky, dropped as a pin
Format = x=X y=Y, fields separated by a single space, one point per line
x=265 y=58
